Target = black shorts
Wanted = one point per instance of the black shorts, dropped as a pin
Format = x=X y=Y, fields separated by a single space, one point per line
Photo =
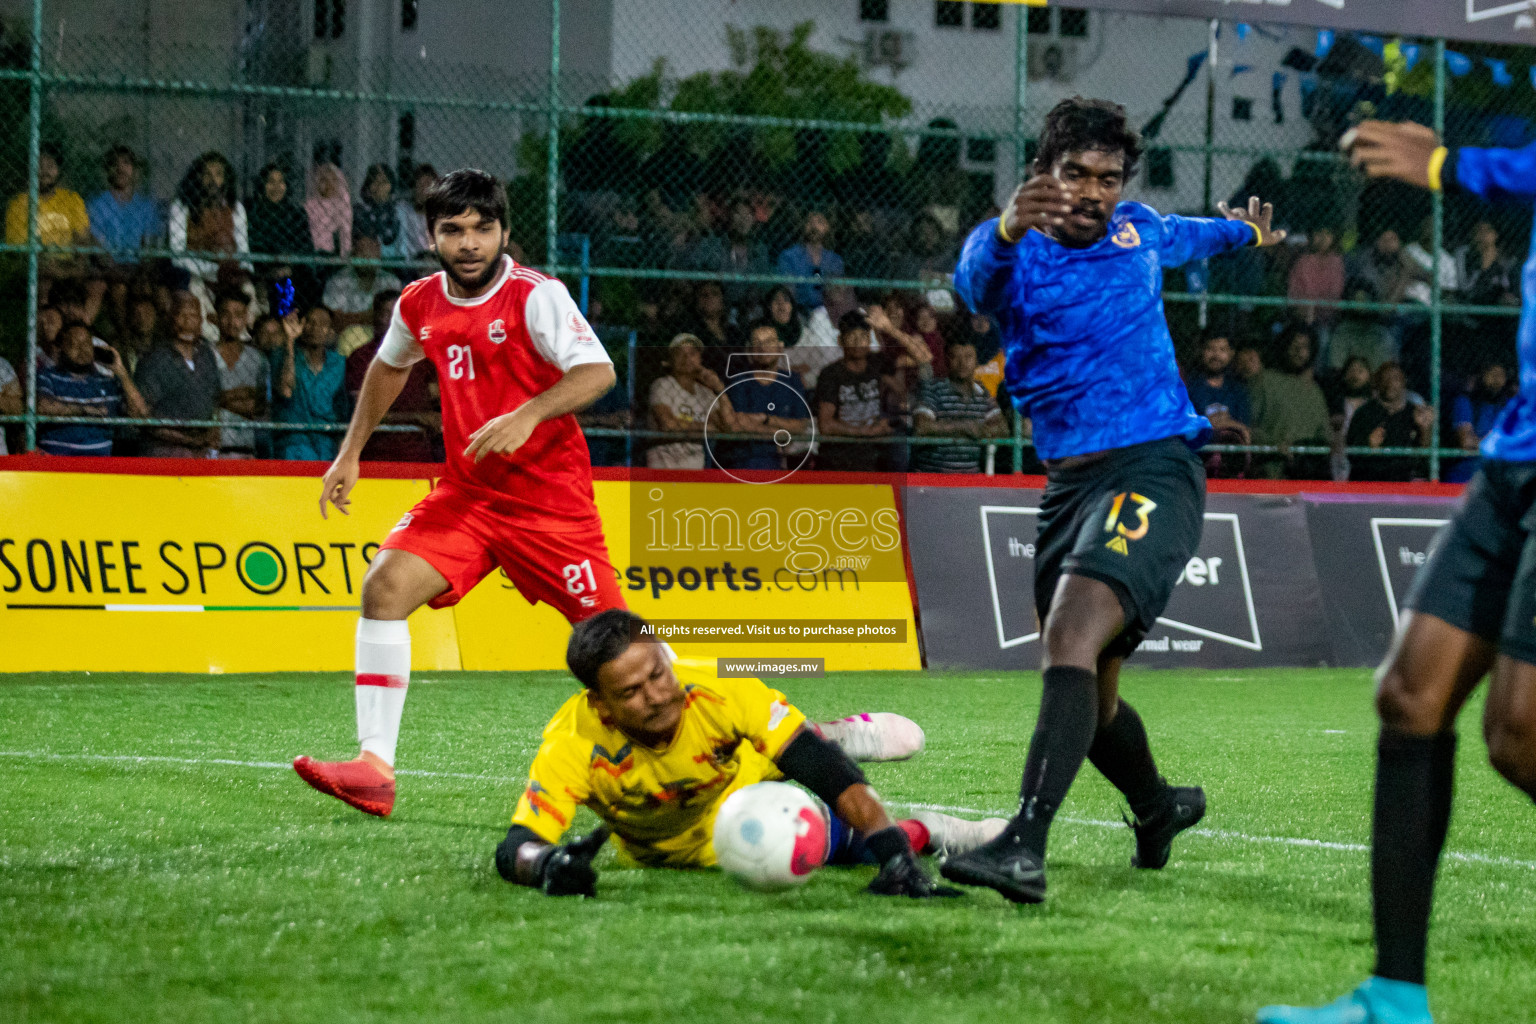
x=1481 y=577
x=1131 y=519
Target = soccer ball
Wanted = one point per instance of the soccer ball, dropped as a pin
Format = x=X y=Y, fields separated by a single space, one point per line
x=771 y=836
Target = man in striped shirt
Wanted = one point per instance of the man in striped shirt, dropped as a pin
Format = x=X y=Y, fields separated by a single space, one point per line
x=955 y=406
x=73 y=387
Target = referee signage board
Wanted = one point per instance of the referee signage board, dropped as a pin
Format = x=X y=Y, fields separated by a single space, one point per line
x=1491 y=21
x=1249 y=596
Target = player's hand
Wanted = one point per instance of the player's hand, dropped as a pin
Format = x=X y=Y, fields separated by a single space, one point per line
x=1041 y=202
x=1259 y=215
x=903 y=876
x=1385 y=150
x=567 y=870
x=503 y=434
x=336 y=488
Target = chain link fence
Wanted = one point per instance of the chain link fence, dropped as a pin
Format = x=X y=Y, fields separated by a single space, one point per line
x=709 y=169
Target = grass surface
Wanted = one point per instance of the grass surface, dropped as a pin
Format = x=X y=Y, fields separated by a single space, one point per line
x=180 y=888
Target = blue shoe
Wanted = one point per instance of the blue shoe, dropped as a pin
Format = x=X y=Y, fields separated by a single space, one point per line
x=1378 y=1001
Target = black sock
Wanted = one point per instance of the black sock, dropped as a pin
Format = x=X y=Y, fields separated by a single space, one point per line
x=1120 y=751
x=1414 y=776
x=1063 y=733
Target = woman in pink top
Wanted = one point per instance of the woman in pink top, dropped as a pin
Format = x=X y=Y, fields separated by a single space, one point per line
x=1318 y=276
x=329 y=207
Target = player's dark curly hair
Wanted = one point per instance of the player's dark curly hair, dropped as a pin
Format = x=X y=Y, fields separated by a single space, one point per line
x=467 y=189
x=598 y=640
x=1078 y=124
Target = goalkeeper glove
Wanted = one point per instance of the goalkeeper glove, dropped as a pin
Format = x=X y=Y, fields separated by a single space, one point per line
x=567 y=870
x=900 y=874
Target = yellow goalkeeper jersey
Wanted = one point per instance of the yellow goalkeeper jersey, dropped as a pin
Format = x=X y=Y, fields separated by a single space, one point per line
x=661 y=802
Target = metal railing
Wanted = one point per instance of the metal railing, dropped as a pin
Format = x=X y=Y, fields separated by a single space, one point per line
x=559 y=128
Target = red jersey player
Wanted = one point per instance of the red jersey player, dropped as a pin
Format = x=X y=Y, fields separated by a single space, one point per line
x=515 y=359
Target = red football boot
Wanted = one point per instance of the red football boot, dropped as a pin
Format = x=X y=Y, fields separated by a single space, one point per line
x=352 y=782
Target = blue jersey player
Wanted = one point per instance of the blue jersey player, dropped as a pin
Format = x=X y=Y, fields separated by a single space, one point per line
x=1074 y=277
x=1471 y=614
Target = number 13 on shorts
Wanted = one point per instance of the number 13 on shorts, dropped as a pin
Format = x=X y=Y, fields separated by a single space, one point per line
x=1123 y=533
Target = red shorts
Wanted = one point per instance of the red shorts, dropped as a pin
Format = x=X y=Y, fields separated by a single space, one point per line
x=465 y=539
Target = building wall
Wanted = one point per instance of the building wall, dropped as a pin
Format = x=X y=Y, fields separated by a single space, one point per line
x=499 y=50
x=968 y=74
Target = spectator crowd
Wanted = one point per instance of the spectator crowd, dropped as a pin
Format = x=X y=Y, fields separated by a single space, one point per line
x=833 y=372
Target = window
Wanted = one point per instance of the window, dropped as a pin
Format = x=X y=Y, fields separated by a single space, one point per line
x=986 y=17
x=1039 y=19
x=981 y=151
x=330 y=18
x=1074 y=23
x=1242 y=108
x=948 y=14
x=409 y=12
x=875 y=10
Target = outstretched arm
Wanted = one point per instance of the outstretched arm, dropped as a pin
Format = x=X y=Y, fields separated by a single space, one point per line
x=991 y=254
x=525 y=858
x=381 y=386
x=1195 y=238
x=1412 y=153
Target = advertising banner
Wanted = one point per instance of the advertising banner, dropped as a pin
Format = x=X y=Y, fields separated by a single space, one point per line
x=239 y=573
x=1491 y=21
x=762 y=564
x=1248 y=597
x=1368 y=551
x=193 y=574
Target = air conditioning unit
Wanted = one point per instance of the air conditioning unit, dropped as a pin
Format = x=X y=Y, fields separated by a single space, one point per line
x=889 y=48
x=1052 y=60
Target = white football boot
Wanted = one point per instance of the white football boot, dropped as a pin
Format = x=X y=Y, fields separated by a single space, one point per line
x=949 y=836
x=880 y=736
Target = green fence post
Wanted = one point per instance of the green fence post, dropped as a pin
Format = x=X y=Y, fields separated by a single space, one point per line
x=1437 y=199
x=34 y=144
x=552 y=162
x=1020 y=94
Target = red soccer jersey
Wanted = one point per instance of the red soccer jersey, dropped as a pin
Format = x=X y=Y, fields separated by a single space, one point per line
x=492 y=354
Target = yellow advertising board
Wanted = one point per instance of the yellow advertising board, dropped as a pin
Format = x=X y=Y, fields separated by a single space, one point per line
x=193 y=574
x=720 y=560
x=104 y=572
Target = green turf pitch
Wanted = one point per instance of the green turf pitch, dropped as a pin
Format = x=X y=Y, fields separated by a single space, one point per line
x=205 y=882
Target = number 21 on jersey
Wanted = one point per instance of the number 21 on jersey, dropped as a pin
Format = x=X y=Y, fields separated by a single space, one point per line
x=461 y=362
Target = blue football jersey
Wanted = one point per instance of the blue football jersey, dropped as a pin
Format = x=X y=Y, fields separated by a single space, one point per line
x=1089 y=357
x=1507 y=174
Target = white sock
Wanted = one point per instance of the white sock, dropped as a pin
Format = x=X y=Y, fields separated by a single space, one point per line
x=383 y=673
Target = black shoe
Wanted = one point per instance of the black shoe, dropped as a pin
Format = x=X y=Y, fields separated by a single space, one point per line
x=1004 y=864
x=1154 y=837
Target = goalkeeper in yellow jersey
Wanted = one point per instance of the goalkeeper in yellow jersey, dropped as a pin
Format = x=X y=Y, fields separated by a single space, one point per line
x=654 y=747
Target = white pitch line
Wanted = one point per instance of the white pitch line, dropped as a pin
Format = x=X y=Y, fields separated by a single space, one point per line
x=1244 y=837
x=1210 y=833
x=149 y=759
